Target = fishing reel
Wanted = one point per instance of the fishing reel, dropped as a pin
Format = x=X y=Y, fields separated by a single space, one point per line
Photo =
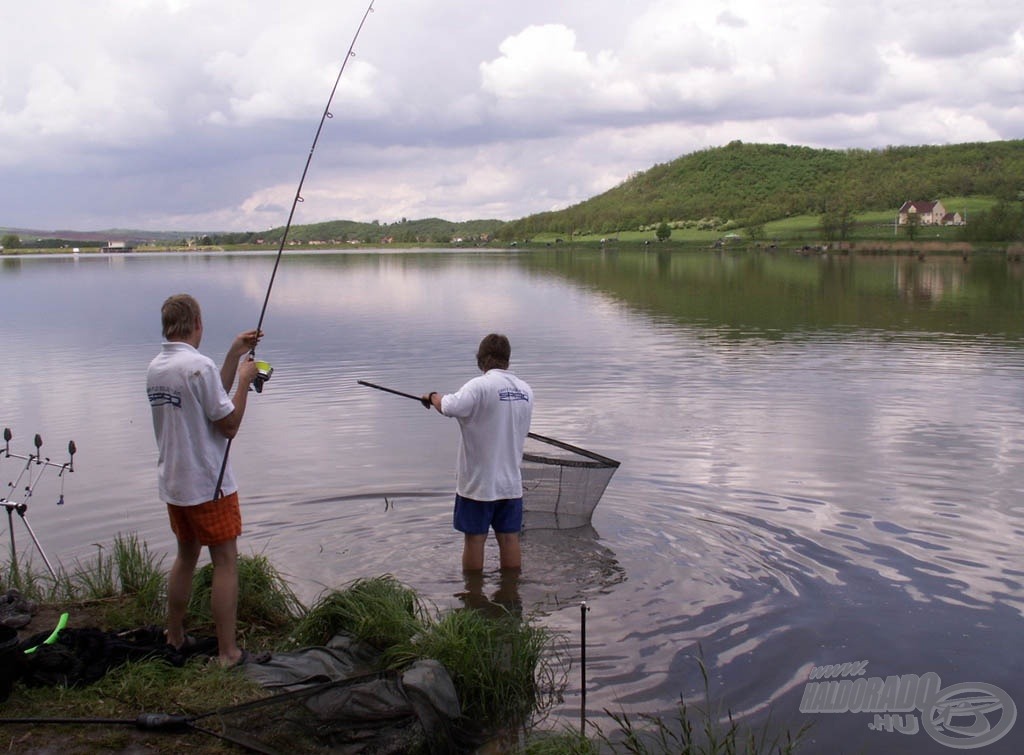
x=263 y=373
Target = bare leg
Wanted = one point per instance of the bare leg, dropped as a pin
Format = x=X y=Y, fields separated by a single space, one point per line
x=508 y=547
x=179 y=589
x=473 y=552
x=224 y=599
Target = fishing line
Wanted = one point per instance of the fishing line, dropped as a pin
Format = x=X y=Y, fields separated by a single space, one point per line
x=218 y=493
x=309 y=159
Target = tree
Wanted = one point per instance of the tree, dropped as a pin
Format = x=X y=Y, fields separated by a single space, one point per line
x=755 y=231
x=10 y=241
x=1003 y=221
x=913 y=221
x=664 y=232
x=837 y=218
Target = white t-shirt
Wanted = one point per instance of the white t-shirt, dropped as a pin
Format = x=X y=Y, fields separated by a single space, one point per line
x=494 y=412
x=186 y=397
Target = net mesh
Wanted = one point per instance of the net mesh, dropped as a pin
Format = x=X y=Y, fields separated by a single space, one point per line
x=562 y=483
x=370 y=712
x=338 y=717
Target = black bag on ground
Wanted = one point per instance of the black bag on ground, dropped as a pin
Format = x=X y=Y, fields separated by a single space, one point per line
x=11 y=660
x=80 y=657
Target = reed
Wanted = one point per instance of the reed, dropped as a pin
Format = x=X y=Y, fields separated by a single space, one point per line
x=559 y=743
x=380 y=611
x=691 y=730
x=688 y=732
x=127 y=581
x=695 y=734
x=501 y=666
x=92 y=580
x=126 y=585
x=266 y=602
x=28 y=582
x=497 y=664
x=139 y=572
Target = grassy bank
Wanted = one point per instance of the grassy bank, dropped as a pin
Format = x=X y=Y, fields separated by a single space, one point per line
x=508 y=671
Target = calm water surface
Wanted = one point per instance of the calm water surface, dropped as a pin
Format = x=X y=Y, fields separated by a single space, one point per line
x=822 y=458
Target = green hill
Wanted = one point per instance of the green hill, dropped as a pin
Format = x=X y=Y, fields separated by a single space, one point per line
x=741 y=185
x=425 y=231
x=770 y=190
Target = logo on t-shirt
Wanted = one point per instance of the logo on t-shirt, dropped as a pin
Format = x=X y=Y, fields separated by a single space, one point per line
x=164 y=397
x=512 y=394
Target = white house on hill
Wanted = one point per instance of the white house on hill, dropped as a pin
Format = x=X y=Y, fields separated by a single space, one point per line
x=928 y=213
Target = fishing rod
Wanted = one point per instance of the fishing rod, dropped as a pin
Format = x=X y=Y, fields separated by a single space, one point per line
x=264 y=369
x=422 y=400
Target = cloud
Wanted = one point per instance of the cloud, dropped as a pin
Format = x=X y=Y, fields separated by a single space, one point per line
x=542 y=67
x=198 y=114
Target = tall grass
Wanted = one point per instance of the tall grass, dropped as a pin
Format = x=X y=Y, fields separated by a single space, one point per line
x=92 y=580
x=685 y=736
x=266 y=602
x=129 y=578
x=381 y=612
x=502 y=667
x=496 y=664
x=127 y=585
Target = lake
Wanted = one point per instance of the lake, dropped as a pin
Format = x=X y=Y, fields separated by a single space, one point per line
x=822 y=457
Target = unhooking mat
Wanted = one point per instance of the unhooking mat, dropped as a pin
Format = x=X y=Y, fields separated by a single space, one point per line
x=351 y=707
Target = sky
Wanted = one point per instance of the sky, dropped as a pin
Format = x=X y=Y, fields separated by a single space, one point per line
x=199 y=115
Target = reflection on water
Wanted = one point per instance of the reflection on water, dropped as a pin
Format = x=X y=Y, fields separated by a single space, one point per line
x=821 y=458
x=775 y=294
x=503 y=601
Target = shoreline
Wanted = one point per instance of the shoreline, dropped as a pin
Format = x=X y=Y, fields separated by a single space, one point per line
x=1013 y=250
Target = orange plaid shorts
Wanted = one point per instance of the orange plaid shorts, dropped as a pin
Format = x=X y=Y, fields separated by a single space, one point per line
x=210 y=523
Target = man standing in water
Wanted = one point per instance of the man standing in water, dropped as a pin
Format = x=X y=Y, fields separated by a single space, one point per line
x=494 y=412
x=193 y=418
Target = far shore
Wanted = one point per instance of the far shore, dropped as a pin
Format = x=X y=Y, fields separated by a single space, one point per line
x=1014 y=251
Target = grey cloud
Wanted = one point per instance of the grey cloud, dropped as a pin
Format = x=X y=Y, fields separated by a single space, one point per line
x=954 y=35
x=727 y=18
x=203 y=113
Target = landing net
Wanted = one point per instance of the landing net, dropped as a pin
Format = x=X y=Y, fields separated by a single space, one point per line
x=562 y=483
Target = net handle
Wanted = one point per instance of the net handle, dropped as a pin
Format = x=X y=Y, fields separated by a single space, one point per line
x=575 y=449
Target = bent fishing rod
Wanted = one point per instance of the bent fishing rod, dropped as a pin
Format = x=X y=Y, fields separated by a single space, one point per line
x=265 y=370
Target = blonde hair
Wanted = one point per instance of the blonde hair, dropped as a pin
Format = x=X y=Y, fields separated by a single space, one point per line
x=179 y=317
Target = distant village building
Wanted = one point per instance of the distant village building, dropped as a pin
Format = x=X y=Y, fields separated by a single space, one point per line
x=928 y=213
x=117 y=246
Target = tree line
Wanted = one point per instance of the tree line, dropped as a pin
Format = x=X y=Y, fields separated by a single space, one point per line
x=404 y=231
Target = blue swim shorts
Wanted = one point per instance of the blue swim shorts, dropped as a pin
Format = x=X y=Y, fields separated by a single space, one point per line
x=477 y=517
